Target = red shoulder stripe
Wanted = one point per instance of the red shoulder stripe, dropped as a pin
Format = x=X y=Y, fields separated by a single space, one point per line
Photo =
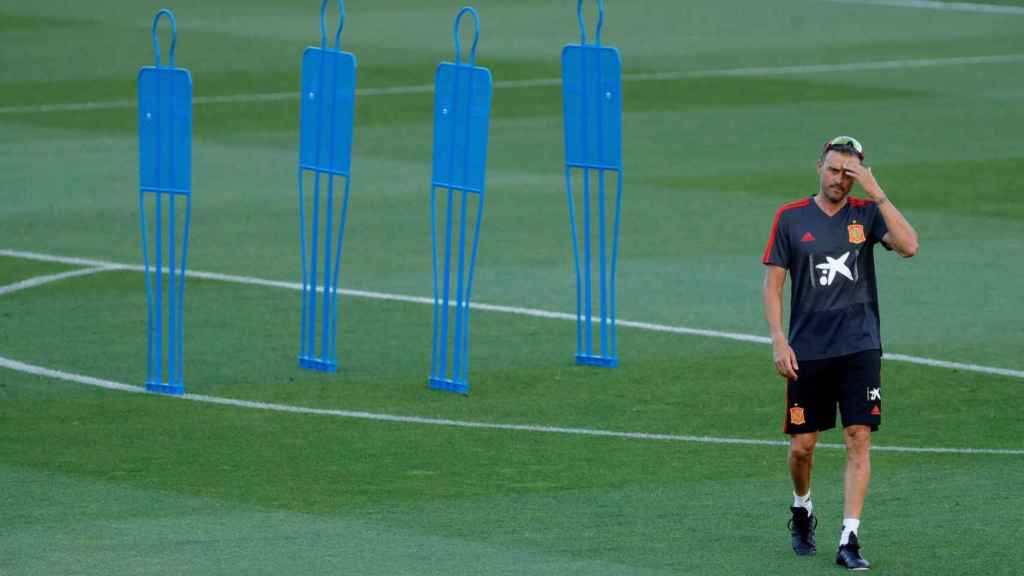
x=775 y=224
x=860 y=202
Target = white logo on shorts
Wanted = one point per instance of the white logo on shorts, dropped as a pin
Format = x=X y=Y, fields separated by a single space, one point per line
x=874 y=394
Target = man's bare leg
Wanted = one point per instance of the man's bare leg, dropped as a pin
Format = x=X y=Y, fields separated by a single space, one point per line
x=858 y=469
x=801 y=461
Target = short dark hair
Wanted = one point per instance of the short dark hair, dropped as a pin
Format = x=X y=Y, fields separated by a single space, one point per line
x=842 y=149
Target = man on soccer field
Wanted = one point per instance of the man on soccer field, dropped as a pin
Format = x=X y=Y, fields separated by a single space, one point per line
x=833 y=351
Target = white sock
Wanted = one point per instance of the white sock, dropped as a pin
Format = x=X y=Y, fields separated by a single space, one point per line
x=803 y=502
x=850 y=526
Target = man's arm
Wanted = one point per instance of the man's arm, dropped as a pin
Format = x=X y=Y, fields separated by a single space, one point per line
x=901 y=236
x=772 y=293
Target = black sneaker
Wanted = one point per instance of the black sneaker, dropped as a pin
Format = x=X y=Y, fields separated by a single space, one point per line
x=801 y=528
x=849 y=555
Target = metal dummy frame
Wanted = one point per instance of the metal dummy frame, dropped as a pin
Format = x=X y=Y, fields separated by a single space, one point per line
x=165 y=171
x=326 y=119
x=592 y=100
x=462 y=105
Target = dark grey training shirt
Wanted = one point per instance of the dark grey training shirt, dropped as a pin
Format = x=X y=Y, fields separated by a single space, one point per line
x=834 y=307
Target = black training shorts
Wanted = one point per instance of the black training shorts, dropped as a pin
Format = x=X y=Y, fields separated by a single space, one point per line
x=854 y=382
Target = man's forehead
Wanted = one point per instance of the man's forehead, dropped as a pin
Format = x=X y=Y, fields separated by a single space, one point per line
x=836 y=159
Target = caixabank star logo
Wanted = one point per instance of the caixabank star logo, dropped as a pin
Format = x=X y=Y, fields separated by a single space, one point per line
x=828 y=269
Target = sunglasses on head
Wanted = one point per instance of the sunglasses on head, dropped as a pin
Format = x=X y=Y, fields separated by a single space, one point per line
x=845 y=144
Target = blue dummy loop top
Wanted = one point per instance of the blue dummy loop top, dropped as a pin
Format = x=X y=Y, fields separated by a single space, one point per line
x=461 y=117
x=328 y=102
x=165 y=120
x=592 y=87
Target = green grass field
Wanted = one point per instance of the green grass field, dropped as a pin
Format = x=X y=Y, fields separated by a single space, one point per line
x=103 y=481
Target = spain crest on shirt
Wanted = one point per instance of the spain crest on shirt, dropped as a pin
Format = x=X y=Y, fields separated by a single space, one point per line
x=856 y=233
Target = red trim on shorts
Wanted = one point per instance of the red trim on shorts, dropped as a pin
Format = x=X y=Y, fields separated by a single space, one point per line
x=775 y=225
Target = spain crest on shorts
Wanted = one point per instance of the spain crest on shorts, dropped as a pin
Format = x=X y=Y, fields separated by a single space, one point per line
x=796 y=416
x=856 y=233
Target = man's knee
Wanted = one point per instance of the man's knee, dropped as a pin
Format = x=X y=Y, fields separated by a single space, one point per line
x=801 y=447
x=858 y=440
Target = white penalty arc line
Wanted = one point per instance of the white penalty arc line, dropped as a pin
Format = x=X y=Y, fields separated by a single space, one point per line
x=41 y=280
x=799 y=69
x=470 y=424
x=518 y=311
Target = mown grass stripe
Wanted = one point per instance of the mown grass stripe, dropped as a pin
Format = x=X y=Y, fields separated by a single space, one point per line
x=391 y=418
x=530 y=312
x=791 y=70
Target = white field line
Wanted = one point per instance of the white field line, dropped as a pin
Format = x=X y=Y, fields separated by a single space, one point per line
x=531 y=312
x=940 y=6
x=40 y=280
x=358 y=415
x=799 y=69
